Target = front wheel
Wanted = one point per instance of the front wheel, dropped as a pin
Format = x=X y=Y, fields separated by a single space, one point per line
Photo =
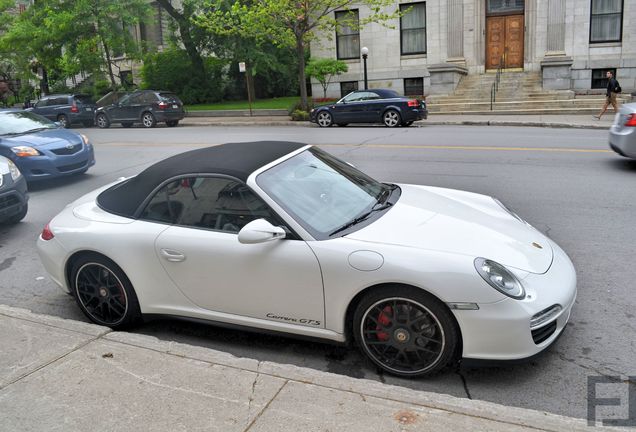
x=102 y=121
x=406 y=331
x=148 y=120
x=391 y=118
x=104 y=293
x=324 y=119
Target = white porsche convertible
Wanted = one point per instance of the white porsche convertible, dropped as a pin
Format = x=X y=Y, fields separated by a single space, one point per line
x=284 y=237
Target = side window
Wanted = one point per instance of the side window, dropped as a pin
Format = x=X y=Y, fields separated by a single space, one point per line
x=207 y=202
x=149 y=98
x=63 y=100
x=42 y=103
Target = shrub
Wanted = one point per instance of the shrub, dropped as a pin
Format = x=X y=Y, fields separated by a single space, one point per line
x=171 y=70
x=299 y=115
x=297 y=107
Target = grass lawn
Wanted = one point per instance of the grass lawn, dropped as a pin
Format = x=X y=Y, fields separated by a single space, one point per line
x=276 y=103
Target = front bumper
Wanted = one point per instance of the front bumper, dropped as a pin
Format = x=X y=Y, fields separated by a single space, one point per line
x=13 y=196
x=622 y=139
x=50 y=165
x=501 y=330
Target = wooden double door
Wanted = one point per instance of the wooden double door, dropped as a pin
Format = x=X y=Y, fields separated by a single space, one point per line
x=504 y=41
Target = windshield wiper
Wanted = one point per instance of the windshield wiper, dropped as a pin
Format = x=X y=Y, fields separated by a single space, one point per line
x=376 y=207
x=36 y=130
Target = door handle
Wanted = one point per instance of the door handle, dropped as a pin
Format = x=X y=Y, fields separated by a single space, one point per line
x=172 y=255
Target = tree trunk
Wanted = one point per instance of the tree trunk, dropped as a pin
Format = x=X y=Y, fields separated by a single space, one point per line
x=108 y=63
x=249 y=78
x=300 y=51
x=44 y=82
x=183 y=22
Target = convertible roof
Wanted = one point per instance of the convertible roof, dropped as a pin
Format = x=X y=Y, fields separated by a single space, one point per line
x=237 y=160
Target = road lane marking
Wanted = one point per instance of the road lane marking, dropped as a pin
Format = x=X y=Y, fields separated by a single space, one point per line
x=386 y=146
x=486 y=148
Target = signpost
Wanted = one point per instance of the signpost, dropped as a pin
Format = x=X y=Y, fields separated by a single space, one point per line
x=243 y=69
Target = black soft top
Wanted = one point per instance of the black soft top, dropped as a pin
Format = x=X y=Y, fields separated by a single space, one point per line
x=237 y=160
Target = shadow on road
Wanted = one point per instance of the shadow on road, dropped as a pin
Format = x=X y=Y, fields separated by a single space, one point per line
x=42 y=185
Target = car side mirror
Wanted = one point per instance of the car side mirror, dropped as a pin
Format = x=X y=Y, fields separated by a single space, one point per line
x=260 y=231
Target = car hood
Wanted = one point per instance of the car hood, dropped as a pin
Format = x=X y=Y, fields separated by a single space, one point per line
x=453 y=221
x=41 y=138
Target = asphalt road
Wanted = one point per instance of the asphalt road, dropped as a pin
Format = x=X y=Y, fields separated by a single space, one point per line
x=563 y=181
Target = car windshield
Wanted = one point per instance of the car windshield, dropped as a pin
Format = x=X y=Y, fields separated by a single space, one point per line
x=321 y=192
x=15 y=123
x=84 y=99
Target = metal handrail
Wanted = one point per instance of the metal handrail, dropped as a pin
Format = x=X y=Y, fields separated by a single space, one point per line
x=495 y=85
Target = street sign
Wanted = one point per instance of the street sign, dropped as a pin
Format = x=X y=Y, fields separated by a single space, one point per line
x=242 y=67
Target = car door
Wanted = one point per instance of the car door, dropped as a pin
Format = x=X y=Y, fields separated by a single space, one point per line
x=374 y=107
x=278 y=280
x=42 y=108
x=350 y=109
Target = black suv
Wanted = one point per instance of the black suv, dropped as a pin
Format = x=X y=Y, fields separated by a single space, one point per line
x=147 y=107
x=67 y=109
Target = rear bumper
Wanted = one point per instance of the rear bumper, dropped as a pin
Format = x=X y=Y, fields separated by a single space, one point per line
x=415 y=114
x=623 y=140
x=13 y=197
x=163 y=116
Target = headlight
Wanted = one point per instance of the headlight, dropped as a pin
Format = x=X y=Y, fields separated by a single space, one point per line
x=14 y=171
x=499 y=278
x=510 y=212
x=25 y=151
x=84 y=139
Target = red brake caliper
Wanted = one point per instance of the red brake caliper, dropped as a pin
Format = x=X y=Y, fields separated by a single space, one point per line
x=384 y=319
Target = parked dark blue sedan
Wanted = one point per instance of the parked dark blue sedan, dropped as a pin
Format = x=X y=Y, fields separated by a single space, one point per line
x=371 y=106
x=42 y=149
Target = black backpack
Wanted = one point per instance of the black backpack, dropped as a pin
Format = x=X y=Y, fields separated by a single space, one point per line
x=618 y=88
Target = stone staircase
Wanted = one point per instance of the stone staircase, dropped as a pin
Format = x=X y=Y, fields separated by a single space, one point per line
x=519 y=93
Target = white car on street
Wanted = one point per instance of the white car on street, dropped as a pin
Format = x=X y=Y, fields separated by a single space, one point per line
x=284 y=237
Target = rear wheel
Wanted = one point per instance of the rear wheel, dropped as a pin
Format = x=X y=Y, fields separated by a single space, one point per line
x=172 y=123
x=104 y=293
x=102 y=121
x=406 y=331
x=391 y=118
x=148 y=120
x=324 y=119
x=63 y=120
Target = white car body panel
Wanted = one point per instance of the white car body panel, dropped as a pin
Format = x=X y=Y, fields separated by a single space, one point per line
x=429 y=239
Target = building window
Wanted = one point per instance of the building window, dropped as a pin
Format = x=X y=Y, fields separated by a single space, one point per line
x=606 y=21
x=347 y=87
x=413 y=28
x=347 y=35
x=413 y=86
x=599 y=78
x=504 y=6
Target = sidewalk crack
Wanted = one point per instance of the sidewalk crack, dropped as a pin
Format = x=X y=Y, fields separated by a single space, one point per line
x=253 y=394
x=464 y=383
x=266 y=406
x=80 y=346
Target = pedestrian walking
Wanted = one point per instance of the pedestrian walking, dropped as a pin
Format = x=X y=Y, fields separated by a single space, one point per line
x=613 y=88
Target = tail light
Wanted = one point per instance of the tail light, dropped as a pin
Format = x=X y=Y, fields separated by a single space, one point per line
x=74 y=108
x=163 y=105
x=413 y=103
x=47 y=234
x=631 y=120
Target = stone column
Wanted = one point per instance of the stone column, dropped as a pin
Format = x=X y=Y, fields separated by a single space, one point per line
x=556 y=27
x=455 y=27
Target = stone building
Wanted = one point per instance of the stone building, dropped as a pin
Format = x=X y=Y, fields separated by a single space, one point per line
x=570 y=44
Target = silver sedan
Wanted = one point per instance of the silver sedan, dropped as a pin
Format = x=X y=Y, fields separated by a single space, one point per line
x=622 y=137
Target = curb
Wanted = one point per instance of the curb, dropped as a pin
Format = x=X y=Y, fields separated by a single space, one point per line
x=500 y=414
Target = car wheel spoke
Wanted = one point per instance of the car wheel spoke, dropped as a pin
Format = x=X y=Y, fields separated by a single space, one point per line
x=101 y=294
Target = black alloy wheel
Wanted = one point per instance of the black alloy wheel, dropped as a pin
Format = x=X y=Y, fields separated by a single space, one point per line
x=102 y=121
x=406 y=332
x=104 y=293
x=63 y=121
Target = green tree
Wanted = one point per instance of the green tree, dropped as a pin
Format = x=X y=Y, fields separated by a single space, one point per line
x=289 y=23
x=324 y=69
x=71 y=36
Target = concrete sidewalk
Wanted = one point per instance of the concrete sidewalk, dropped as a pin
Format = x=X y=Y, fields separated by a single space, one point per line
x=58 y=374
x=532 y=120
